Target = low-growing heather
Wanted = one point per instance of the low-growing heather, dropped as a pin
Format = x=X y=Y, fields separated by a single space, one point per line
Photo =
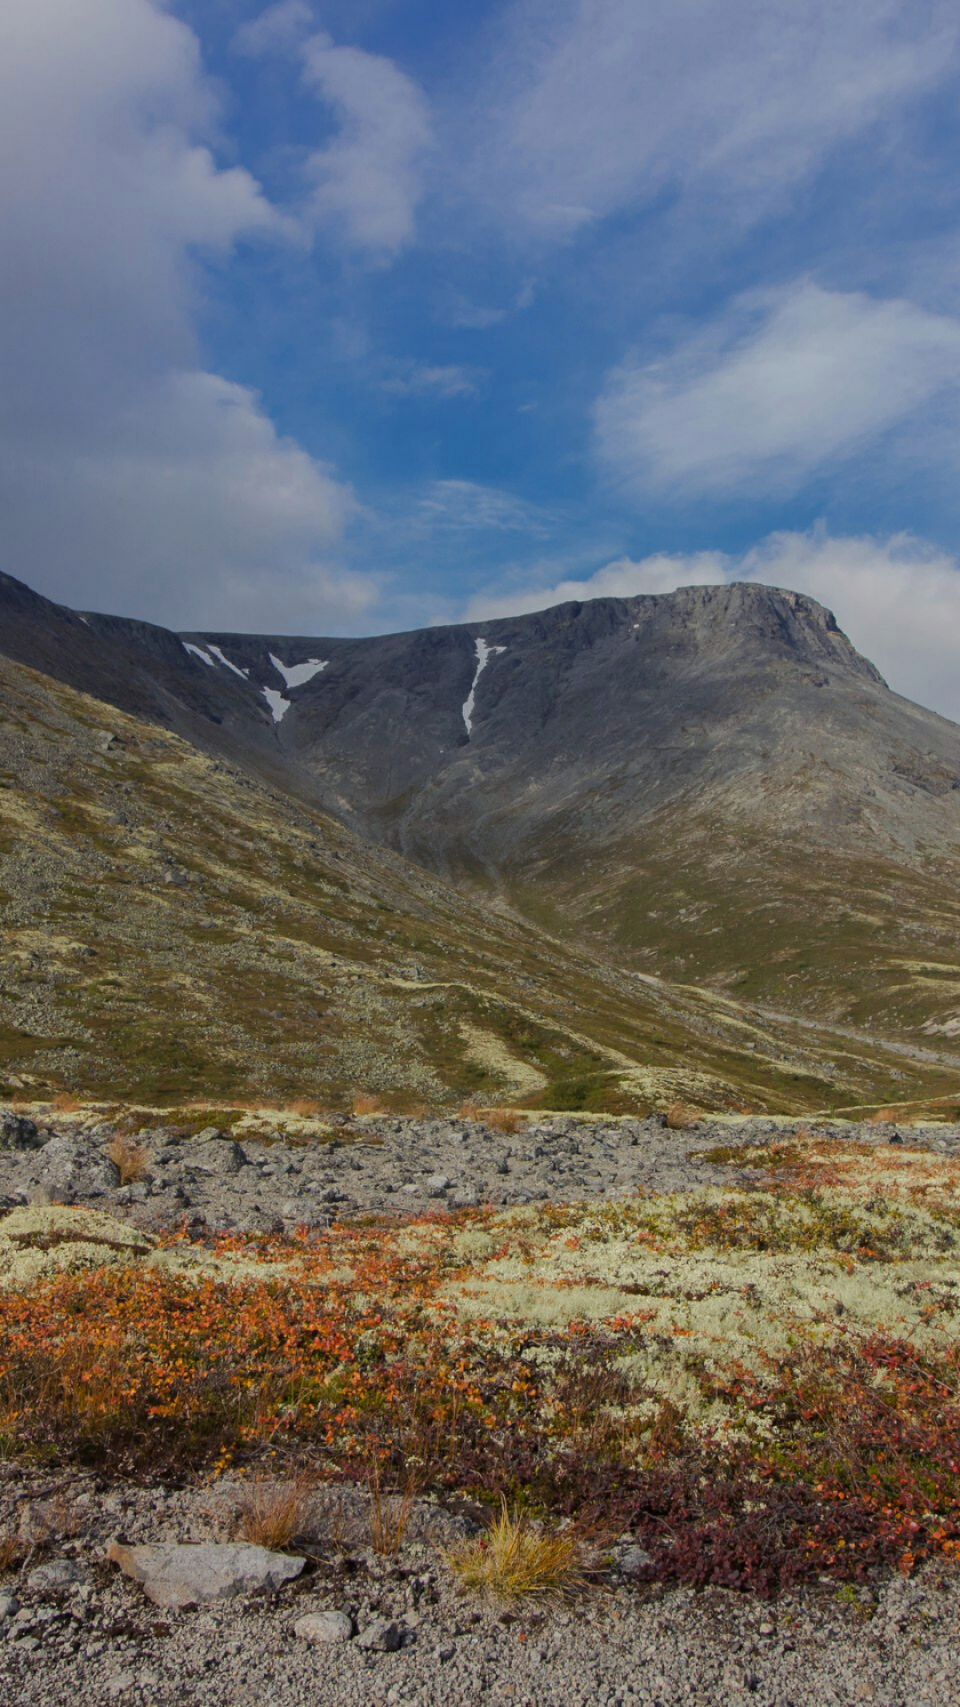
x=379 y=1353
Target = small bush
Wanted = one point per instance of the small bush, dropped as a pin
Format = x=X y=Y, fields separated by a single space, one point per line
x=505 y=1120
x=273 y=1514
x=305 y=1107
x=516 y=1560
x=66 y=1103
x=132 y=1160
x=367 y=1105
x=681 y=1114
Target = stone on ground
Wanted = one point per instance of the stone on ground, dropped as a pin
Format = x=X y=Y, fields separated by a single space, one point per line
x=175 y=1574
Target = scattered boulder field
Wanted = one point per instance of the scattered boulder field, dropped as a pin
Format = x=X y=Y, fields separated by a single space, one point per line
x=270 y=1172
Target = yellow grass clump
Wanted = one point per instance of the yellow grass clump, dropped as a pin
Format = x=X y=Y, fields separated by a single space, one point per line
x=517 y=1560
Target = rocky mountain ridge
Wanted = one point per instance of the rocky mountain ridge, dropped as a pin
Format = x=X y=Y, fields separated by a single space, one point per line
x=711 y=787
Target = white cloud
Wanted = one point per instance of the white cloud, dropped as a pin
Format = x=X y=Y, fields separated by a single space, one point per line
x=276 y=30
x=368 y=178
x=898 y=599
x=130 y=477
x=784 y=384
x=608 y=103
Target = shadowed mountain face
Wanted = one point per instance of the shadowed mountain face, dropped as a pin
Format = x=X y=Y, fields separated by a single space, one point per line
x=710 y=784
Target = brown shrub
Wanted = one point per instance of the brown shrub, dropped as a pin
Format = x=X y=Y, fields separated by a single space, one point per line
x=502 y=1119
x=681 y=1114
x=132 y=1160
x=66 y=1103
x=367 y=1105
x=884 y=1116
x=273 y=1514
x=306 y=1107
x=498 y=1119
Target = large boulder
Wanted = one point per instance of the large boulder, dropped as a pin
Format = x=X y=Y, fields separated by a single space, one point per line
x=216 y=1155
x=178 y=1574
x=72 y=1168
x=19 y=1133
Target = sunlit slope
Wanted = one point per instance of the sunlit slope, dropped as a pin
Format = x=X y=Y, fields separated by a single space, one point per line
x=174 y=927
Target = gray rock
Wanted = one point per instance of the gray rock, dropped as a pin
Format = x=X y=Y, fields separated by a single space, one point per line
x=9 y=1606
x=72 y=1168
x=326 y=1629
x=18 y=1133
x=177 y=1574
x=58 y=1577
x=630 y=1559
x=217 y=1155
x=437 y=1184
x=381 y=1636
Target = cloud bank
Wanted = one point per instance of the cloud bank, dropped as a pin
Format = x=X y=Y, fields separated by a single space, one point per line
x=130 y=475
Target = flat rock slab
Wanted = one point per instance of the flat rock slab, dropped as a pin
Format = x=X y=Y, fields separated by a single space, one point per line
x=178 y=1574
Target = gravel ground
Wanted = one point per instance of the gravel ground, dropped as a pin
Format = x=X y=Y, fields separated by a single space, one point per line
x=97 y=1640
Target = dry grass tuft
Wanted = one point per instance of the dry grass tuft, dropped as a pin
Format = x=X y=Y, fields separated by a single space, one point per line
x=498 y=1119
x=681 y=1114
x=368 y=1105
x=515 y=1560
x=389 y=1514
x=502 y=1120
x=10 y=1552
x=306 y=1107
x=132 y=1160
x=66 y=1103
x=273 y=1514
x=884 y=1117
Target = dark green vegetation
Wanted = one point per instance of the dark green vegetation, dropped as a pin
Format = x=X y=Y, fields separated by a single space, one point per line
x=175 y=928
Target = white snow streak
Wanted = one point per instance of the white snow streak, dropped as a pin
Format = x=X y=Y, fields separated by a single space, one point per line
x=296 y=674
x=223 y=659
x=484 y=652
x=278 y=705
x=198 y=652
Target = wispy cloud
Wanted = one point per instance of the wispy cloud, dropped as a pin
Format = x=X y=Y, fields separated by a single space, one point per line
x=783 y=384
x=609 y=104
x=367 y=180
x=463 y=506
x=424 y=379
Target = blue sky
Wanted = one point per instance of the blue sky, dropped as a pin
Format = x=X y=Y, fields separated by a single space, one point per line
x=341 y=318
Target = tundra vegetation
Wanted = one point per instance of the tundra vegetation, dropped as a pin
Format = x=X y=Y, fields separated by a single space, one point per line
x=758 y=1385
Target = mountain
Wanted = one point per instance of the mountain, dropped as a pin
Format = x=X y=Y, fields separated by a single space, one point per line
x=709 y=787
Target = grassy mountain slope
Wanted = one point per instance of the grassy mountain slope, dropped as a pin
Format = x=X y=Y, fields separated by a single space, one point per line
x=175 y=927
